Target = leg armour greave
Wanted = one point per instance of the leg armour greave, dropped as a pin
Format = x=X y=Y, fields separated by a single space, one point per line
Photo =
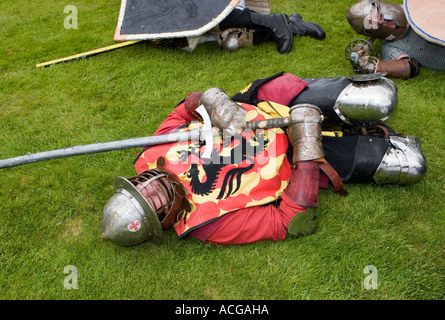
x=305 y=136
x=364 y=159
x=305 y=132
x=403 y=162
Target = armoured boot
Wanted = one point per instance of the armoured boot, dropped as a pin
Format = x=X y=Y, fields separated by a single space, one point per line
x=277 y=24
x=302 y=28
x=305 y=136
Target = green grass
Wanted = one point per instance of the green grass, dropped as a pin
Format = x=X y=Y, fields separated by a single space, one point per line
x=50 y=211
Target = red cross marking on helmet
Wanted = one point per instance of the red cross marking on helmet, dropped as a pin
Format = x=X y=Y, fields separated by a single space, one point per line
x=134 y=225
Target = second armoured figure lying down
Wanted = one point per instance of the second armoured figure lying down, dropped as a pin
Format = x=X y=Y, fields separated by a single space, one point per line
x=404 y=49
x=263 y=184
x=251 y=23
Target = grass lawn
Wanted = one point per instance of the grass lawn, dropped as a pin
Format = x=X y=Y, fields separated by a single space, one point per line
x=50 y=211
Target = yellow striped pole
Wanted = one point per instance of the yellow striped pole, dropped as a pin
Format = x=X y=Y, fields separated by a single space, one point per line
x=88 y=53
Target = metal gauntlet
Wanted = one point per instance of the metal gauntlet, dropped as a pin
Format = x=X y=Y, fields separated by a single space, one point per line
x=224 y=113
x=305 y=132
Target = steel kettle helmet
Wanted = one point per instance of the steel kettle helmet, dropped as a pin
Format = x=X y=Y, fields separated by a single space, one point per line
x=143 y=206
x=128 y=219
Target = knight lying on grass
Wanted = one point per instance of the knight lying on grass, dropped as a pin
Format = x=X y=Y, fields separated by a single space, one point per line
x=263 y=184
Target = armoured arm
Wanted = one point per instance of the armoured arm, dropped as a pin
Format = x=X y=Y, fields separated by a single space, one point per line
x=360 y=54
x=175 y=119
x=183 y=114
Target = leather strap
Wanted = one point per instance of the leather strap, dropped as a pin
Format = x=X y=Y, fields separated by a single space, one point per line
x=180 y=203
x=334 y=178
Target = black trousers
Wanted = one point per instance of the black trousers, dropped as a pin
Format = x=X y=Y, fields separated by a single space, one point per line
x=241 y=19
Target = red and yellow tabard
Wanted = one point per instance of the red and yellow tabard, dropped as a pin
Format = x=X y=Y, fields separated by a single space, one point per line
x=249 y=170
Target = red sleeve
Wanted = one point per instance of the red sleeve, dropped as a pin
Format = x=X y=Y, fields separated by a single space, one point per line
x=250 y=225
x=175 y=119
x=282 y=90
x=178 y=117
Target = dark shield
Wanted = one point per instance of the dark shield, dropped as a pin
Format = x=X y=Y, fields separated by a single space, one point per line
x=162 y=19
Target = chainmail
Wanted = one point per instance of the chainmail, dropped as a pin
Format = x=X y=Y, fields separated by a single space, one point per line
x=429 y=55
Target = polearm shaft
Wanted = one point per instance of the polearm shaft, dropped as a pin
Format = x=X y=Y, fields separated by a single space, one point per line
x=100 y=147
x=268 y=123
x=194 y=134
